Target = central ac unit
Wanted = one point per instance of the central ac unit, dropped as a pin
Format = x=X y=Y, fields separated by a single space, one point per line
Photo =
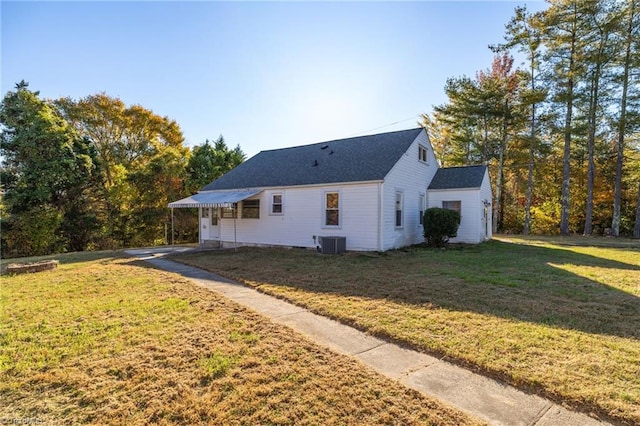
x=333 y=245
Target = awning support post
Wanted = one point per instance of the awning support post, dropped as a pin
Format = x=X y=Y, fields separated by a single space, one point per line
x=172 y=227
x=235 y=234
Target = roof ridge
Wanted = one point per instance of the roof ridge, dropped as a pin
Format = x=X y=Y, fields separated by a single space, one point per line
x=461 y=167
x=340 y=140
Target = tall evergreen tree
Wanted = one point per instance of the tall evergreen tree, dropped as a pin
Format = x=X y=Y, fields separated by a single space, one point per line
x=524 y=32
x=47 y=169
x=628 y=34
x=209 y=162
x=563 y=35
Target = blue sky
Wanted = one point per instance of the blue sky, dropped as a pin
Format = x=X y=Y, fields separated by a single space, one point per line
x=263 y=74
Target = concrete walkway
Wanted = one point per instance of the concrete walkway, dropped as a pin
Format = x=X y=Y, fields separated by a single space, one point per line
x=474 y=394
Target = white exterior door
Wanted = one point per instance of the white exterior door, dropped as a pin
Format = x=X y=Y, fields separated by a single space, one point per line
x=209 y=224
x=214 y=224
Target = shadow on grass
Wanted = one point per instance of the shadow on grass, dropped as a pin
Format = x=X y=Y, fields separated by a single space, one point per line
x=513 y=281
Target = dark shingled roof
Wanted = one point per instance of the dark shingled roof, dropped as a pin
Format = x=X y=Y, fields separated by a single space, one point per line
x=358 y=159
x=458 y=177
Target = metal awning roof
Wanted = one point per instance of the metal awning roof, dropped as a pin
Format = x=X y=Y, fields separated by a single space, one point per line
x=214 y=198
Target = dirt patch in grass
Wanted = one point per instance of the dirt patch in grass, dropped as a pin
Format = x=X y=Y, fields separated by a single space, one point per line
x=560 y=320
x=108 y=340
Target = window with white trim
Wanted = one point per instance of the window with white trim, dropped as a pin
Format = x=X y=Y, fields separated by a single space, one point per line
x=251 y=209
x=205 y=212
x=423 y=154
x=421 y=208
x=452 y=205
x=399 y=216
x=332 y=209
x=276 y=204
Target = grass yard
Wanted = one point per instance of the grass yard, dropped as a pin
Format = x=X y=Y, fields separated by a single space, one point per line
x=105 y=339
x=559 y=317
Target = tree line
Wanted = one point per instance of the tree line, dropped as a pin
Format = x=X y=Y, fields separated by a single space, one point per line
x=96 y=174
x=561 y=133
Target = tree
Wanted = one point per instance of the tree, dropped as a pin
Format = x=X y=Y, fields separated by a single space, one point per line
x=524 y=32
x=46 y=169
x=563 y=43
x=209 y=162
x=501 y=83
x=598 y=54
x=143 y=160
x=629 y=34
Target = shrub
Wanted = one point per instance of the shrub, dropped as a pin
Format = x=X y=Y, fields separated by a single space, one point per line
x=440 y=225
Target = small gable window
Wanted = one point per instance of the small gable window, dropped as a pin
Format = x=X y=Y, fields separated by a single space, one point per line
x=422 y=154
x=332 y=209
x=251 y=209
x=452 y=205
x=276 y=204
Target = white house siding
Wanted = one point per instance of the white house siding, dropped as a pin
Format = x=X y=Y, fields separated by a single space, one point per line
x=472 y=229
x=303 y=216
x=410 y=176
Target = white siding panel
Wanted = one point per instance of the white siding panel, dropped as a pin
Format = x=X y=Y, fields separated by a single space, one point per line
x=472 y=212
x=303 y=218
x=411 y=176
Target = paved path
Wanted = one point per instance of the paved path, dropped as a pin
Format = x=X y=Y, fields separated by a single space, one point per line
x=477 y=395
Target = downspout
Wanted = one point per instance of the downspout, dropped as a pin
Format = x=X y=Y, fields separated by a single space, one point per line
x=380 y=216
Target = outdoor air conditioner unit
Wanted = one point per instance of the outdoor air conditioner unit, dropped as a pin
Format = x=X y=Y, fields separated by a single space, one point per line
x=333 y=245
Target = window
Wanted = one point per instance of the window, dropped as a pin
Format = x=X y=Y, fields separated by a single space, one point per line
x=398 y=209
x=422 y=154
x=452 y=205
x=230 y=212
x=214 y=216
x=332 y=209
x=276 y=204
x=205 y=212
x=421 y=208
x=251 y=209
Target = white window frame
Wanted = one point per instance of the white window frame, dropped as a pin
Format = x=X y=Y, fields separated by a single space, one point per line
x=398 y=202
x=422 y=206
x=252 y=201
x=325 y=209
x=273 y=203
x=423 y=154
x=204 y=213
x=459 y=209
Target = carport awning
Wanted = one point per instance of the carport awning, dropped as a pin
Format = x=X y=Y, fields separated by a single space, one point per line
x=214 y=198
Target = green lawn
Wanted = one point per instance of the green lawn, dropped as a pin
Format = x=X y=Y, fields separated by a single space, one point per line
x=106 y=339
x=556 y=316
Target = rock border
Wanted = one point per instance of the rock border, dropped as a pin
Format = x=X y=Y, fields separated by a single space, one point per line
x=27 y=268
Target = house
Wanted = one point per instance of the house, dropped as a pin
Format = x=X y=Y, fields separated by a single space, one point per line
x=371 y=190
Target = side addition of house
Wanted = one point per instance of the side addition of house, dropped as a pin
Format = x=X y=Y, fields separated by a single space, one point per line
x=371 y=190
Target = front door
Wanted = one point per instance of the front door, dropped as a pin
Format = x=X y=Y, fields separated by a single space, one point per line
x=214 y=228
x=209 y=227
